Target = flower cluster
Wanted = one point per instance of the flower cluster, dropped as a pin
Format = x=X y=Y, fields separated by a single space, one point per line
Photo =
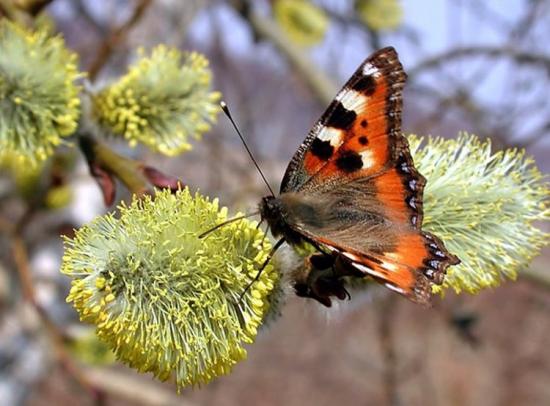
x=162 y=102
x=483 y=205
x=165 y=300
x=304 y=23
x=39 y=101
x=380 y=14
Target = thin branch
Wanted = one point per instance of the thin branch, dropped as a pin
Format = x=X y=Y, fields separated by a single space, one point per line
x=35 y=7
x=127 y=170
x=19 y=252
x=520 y=56
x=321 y=85
x=537 y=275
x=20 y=256
x=133 y=389
x=82 y=11
x=385 y=330
x=115 y=38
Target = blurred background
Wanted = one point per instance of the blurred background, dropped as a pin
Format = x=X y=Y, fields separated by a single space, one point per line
x=476 y=66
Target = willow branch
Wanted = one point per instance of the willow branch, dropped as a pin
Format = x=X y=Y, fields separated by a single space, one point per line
x=537 y=275
x=389 y=357
x=519 y=55
x=132 y=389
x=127 y=170
x=20 y=256
x=320 y=84
x=116 y=36
x=35 y=7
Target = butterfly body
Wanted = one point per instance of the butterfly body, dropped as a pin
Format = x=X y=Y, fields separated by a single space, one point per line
x=352 y=191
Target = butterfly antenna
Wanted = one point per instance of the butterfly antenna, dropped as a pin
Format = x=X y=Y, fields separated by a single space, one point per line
x=204 y=234
x=225 y=109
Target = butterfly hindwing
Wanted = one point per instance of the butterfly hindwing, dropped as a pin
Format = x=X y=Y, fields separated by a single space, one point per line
x=417 y=260
x=370 y=227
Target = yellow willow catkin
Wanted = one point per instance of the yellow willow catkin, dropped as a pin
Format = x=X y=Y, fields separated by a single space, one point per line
x=162 y=102
x=484 y=206
x=165 y=300
x=39 y=103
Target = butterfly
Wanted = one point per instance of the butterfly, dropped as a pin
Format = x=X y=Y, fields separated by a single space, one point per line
x=351 y=190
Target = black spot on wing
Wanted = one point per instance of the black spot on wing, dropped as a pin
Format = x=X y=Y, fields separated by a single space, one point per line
x=364 y=123
x=321 y=149
x=349 y=161
x=363 y=140
x=339 y=117
x=365 y=85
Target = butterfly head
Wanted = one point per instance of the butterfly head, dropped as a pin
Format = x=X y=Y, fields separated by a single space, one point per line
x=275 y=210
x=272 y=211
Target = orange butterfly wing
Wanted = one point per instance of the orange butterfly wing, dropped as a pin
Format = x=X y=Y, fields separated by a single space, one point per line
x=357 y=148
x=358 y=134
x=417 y=260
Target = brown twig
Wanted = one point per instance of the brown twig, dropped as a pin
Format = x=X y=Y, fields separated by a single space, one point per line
x=389 y=358
x=18 y=248
x=115 y=37
x=82 y=11
x=518 y=55
x=20 y=256
x=537 y=275
x=127 y=170
x=19 y=252
x=134 y=389
x=321 y=85
x=35 y=7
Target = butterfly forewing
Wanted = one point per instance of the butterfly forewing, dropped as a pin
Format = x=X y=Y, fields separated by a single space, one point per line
x=357 y=134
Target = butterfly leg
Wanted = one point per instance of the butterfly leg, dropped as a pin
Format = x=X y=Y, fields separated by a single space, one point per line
x=343 y=267
x=322 y=281
x=267 y=260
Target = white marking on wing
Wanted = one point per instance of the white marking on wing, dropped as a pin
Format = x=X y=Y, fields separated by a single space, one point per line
x=369 y=69
x=389 y=266
x=392 y=255
x=368 y=159
x=394 y=288
x=368 y=270
x=350 y=256
x=351 y=99
x=332 y=135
